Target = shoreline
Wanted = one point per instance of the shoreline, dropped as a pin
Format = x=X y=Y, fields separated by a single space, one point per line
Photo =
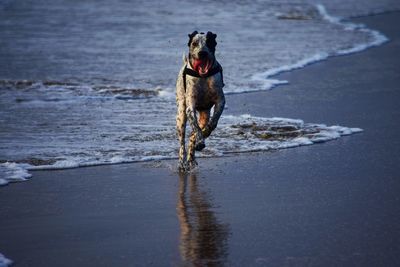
x=327 y=207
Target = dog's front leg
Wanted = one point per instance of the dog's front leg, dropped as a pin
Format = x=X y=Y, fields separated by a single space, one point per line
x=196 y=137
x=218 y=109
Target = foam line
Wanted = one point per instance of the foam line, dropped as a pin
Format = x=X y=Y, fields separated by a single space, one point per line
x=236 y=134
x=377 y=39
x=13 y=172
x=268 y=83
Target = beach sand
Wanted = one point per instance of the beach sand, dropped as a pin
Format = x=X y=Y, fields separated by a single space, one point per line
x=331 y=204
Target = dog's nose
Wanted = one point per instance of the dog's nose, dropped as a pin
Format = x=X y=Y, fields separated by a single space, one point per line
x=203 y=54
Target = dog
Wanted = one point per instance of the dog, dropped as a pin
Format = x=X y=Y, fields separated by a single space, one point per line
x=198 y=90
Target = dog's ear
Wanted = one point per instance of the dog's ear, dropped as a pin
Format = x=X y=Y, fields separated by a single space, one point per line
x=191 y=35
x=210 y=41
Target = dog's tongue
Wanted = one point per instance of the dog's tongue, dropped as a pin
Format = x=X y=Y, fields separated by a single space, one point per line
x=201 y=66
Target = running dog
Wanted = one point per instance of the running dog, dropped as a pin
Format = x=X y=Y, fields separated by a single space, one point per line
x=198 y=89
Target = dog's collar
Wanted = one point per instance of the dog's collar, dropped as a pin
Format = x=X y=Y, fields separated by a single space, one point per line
x=187 y=71
x=211 y=72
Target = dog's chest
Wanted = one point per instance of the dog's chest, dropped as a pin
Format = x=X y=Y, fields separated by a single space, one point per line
x=203 y=91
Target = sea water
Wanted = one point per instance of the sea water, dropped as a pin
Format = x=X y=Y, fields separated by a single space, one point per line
x=88 y=83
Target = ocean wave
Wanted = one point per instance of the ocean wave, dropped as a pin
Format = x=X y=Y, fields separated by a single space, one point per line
x=265 y=78
x=377 y=38
x=235 y=134
x=64 y=91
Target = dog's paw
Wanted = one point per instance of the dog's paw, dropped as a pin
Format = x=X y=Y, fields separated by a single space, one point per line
x=182 y=166
x=200 y=146
x=192 y=164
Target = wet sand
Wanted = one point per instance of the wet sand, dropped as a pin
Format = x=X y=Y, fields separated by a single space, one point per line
x=332 y=204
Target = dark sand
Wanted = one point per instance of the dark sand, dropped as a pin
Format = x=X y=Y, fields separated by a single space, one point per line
x=332 y=204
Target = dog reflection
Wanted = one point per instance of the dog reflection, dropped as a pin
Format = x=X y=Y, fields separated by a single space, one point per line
x=203 y=239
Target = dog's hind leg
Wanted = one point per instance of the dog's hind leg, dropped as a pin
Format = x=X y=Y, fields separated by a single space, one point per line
x=196 y=138
x=191 y=150
x=180 y=130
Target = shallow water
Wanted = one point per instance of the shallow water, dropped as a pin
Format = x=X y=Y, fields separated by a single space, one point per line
x=93 y=83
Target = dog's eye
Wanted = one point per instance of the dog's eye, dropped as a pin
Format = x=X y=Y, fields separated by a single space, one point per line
x=195 y=44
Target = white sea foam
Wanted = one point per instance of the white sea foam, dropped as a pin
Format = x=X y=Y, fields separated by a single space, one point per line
x=60 y=164
x=235 y=134
x=13 y=172
x=4 y=262
x=268 y=83
x=264 y=78
x=263 y=134
x=377 y=38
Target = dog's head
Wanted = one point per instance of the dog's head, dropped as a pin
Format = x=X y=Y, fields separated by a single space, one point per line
x=202 y=51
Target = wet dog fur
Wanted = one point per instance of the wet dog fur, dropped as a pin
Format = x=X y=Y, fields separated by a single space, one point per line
x=201 y=95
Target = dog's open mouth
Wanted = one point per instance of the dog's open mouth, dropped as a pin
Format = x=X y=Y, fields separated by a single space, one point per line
x=202 y=66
